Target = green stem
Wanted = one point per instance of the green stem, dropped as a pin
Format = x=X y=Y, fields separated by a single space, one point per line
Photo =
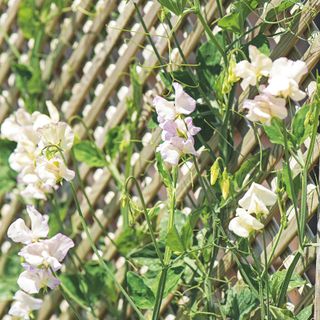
x=167 y=253
x=100 y=259
x=265 y=273
x=294 y=200
x=304 y=208
x=147 y=217
x=150 y=39
x=208 y=31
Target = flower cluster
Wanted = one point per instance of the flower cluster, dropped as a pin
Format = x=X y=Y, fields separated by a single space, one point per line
x=41 y=258
x=41 y=141
x=177 y=130
x=283 y=75
x=255 y=201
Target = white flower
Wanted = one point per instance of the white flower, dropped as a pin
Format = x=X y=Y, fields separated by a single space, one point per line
x=33 y=279
x=36 y=190
x=285 y=76
x=47 y=253
x=251 y=72
x=59 y=134
x=53 y=171
x=11 y=127
x=23 y=305
x=257 y=198
x=264 y=107
x=168 y=110
x=19 y=232
x=23 y=158
x=244 y=223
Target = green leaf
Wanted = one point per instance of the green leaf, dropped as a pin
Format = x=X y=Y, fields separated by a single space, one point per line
x=209 y=58
x=140 y=293
x=117 y=140
x=28 y=18
x=250 y=167
x=164 y=173
x=174 y=241
x=274 y=131
x=128 y=240
x=240 y=302
x=235 y=20
x=147 y=256
x=276 y=9
x=152 y=278
x=302 y=124
x=87 y=152
x=175 y=6
x=276 y=282
x=99 y=283
x=305 y=314
x=281 y=314
x=292 y=190
x=261 y=42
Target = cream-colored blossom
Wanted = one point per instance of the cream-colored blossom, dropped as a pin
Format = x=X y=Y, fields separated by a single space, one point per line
x=259 y=65
x=257 y=198
x=244 y=223
x=264 y=107
x=284 y=79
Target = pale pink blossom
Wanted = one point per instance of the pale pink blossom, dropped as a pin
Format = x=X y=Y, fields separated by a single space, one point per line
x=243 y=223
x=183 y=128
x=19 y=232
x=33 y=279
x=172 y=150
x=284 y=79
x=47 y=253
x=23 y=305
x=251 y=72
x=264 y=107
x=169 y=110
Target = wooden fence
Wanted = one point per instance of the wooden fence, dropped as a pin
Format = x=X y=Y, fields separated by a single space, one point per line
x=86 y=65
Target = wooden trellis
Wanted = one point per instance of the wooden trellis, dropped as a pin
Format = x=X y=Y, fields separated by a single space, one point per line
x=87 y=62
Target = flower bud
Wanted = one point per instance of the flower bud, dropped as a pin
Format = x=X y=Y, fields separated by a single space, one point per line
x=225 y=184
x=214 y=172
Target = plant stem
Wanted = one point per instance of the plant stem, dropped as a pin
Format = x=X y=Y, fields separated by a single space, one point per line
x=294 y=200
x=208 y=31
x=147 y=218
x=101 y=261
x=167 y=253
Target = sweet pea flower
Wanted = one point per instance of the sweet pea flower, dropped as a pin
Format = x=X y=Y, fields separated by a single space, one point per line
x=36 y=190
x=284 y=79
x=23 y=305
x=169 y=110
x=264 y=107
x=257 y=198
x=19 y=232
x=172 y=150
x=59 y=134
x=52 y=171
x=244 y=223
x=182 y=128
x=11 y=127
x=33 y=279
x=47 y=253
x=251 y=72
